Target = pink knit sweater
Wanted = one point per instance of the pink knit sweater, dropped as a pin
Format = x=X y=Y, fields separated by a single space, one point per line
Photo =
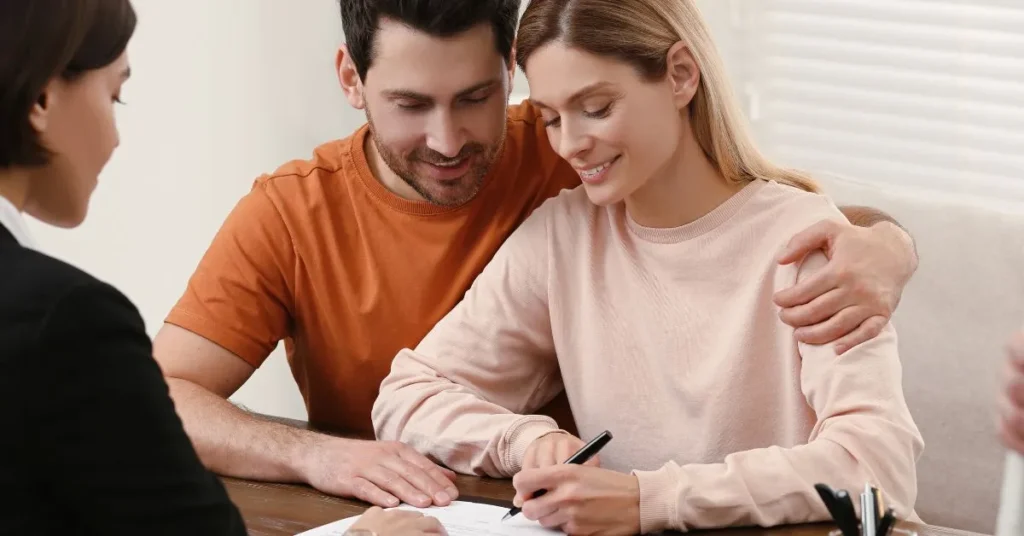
x=669 y=339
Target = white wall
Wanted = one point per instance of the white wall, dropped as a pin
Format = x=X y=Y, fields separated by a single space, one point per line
x=221 y=92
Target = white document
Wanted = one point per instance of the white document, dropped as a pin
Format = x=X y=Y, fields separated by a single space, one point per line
x=459 y=519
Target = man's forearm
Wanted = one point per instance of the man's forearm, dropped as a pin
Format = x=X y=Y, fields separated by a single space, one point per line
x=862 y=216
x=866 y=216
x=231 y=442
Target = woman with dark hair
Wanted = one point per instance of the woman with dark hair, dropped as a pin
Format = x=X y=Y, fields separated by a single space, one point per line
x=91 y=443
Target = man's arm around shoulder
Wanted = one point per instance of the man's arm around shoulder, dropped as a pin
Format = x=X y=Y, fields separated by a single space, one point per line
x=202 y=375
x=871 y=260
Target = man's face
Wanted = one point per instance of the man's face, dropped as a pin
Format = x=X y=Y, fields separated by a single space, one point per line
x=436 y=108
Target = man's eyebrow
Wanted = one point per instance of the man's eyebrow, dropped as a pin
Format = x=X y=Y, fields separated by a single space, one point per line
x=590 y=88
x=478 y=87
x=413 y=95
x=126 y=74
x=406 y=94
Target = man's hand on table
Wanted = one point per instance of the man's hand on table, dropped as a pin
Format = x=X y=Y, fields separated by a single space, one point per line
x=383 y=473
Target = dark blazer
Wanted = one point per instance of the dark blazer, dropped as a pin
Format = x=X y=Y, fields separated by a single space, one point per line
x=89 y=439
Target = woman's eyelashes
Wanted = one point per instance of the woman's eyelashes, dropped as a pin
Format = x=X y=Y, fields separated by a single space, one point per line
x=596 y=114
x=603 y=112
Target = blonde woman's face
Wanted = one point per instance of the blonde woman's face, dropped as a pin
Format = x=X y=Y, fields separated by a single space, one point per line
x=615 y=128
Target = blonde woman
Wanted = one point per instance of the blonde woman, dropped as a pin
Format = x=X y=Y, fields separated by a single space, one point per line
x=647 y=295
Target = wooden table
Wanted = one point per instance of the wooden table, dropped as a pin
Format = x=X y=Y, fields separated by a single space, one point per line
x=278 y=510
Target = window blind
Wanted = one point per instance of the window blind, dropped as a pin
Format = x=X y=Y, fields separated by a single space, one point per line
x=919 y=93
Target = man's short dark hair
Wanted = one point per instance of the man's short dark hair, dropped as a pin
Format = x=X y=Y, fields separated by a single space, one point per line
x=360 y=20
x=44 y=39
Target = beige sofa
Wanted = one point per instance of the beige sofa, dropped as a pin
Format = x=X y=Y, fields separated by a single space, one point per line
x=955 y=318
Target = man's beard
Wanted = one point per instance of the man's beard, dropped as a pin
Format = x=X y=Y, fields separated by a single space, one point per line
x=452 y=194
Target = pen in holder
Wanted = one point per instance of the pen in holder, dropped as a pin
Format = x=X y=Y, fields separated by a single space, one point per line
x=894 y=530
x=875 y=519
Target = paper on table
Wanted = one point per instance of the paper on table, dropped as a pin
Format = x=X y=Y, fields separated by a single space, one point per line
x=459 y=519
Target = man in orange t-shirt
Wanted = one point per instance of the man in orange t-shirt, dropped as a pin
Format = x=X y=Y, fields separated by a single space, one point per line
x=356 y=253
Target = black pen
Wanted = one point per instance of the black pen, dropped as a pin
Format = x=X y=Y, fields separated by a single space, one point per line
x=848 y=520
x=581 y=457
x=887 y=522
x=837 y=509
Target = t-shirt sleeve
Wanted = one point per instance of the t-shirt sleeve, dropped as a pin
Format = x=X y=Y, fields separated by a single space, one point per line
x=108 y=443
x=241 y=294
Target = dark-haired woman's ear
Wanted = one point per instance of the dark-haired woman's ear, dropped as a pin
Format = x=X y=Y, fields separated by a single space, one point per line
x=39 y=115
x=348 y=77
x=683 y=74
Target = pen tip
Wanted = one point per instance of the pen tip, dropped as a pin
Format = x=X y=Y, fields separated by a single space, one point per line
x=508 y=515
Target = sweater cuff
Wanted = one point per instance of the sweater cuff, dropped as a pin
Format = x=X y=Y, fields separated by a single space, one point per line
x=519 y=437
x=659 y=501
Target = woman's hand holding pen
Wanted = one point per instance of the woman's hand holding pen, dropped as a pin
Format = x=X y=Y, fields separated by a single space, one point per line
x=580 y=500
x=553 y=449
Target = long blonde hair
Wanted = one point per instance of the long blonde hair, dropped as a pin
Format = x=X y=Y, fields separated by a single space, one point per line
x=640 y=33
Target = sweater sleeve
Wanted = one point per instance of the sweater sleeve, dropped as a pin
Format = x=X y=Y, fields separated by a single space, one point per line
x=864 y=433
x=109 y=445
x=465 y=395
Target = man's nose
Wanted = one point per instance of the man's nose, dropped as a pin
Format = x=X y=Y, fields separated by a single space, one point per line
x=445 y=136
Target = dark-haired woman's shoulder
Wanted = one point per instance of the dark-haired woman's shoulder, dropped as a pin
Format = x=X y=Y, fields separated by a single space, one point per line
x=92 y=443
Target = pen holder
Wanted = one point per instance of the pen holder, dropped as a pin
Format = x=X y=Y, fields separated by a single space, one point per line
x=875 y=519
x=901 y=532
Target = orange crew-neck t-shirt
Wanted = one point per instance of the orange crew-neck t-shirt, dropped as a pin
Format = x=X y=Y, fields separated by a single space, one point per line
x=322 y=256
